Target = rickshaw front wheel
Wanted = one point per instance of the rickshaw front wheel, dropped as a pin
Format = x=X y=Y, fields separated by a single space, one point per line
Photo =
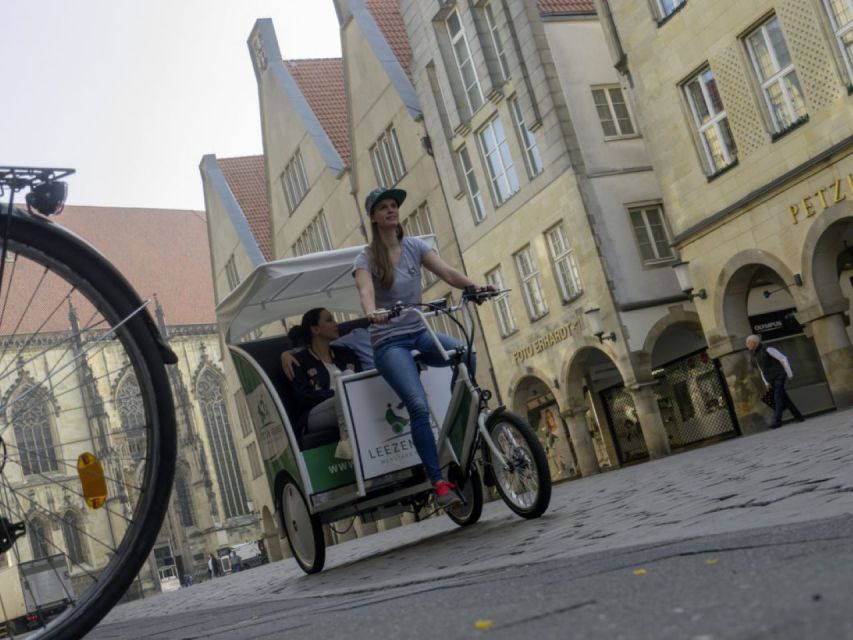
x=469 y=512
x=304 y=530
x=524 y=482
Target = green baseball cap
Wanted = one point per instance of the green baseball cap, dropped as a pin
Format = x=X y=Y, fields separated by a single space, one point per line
x=380 y=193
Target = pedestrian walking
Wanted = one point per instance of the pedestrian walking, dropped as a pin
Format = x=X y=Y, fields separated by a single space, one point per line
x=775 y=372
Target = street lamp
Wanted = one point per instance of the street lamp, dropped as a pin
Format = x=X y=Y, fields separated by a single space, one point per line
x=593 y=319
x=682 y=272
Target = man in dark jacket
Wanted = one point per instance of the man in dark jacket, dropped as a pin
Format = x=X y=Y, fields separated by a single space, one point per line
x=775 y=371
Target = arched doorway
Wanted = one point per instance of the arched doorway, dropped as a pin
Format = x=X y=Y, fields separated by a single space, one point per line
x=534 y=400
x=692 y=395
x=610 y=415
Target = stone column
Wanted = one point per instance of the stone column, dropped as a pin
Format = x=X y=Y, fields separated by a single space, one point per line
x=584 y=449
x=746 y=389
x=836 y=354
x=651 y=422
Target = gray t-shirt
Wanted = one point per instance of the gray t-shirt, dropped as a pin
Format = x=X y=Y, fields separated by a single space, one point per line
x=406 y=288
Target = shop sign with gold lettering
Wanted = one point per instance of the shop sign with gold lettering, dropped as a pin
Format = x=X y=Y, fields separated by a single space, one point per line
x=546 y=342
x=823 y=198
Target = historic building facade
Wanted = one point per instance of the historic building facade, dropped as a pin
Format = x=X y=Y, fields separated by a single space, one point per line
x=163 y=254
x=750 y=131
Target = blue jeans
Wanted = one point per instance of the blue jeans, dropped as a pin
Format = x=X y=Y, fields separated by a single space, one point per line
x=781 y=401
x=393 y=359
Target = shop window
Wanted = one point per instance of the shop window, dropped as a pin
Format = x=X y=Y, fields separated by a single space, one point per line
x=475 y=197
x=841 y=17
x=502 y=176
x=775 y=71
x=532 y=159
x=464 y=62
x=387 y=159
x=501 y=304
x=711 y=121
x=531 y=284
x=294 y=181
x=651 y=234
x=613 y=112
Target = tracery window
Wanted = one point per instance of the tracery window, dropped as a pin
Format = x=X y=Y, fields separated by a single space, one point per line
x=31 y=420
x=131 y=412
x=185 y=501
x=37 y=532
x=71 y=530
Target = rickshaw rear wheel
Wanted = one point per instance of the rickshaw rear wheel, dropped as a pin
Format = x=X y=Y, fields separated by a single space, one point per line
x=304 y=529
x=468 y=513
x=524 y=483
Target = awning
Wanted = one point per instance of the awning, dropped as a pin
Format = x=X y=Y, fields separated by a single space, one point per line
x=290 y=287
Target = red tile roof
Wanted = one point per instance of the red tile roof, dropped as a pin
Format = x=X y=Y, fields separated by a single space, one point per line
x=566 y=6
x=246 y=177
x=321 y=81
x=387 y=15
x=160 y=252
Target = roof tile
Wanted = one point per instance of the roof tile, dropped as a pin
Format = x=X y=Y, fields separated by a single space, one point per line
x=321 y=81
x=388 y=18
x=246 y=177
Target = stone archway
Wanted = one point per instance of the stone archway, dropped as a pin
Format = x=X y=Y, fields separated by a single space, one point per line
x=828 y=267
x=534 y=399
x=764 y=297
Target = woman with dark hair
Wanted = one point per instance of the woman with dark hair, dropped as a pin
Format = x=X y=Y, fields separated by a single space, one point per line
x=318 y=363
x=388 y=271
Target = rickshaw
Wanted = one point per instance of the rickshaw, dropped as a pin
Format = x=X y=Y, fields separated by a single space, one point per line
x=309 y=485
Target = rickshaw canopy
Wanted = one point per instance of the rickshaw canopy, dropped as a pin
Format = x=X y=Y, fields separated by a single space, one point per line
x=289 y=287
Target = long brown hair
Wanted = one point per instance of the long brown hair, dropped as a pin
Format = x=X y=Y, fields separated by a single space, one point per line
x=380 y=261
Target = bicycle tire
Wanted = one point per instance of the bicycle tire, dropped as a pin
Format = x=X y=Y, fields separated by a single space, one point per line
x=527 y=469
x=119 y=329
x=467 y=514
x=304 y=529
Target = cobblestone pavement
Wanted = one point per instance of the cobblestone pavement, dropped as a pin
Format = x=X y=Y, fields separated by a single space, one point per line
x=799 y=473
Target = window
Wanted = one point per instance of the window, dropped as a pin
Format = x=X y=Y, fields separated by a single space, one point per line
x=294 y=181
x=531 y=285
x=668 y=7
x=443 y=324
x=464 y=62
x=474 y=195
x=563 y=262
x=71 y=534
x=841 y=16
x=650 y=231
x=503 y=310
x=504 y=181
x=532 y=159
x=30 y=416
x=184 y=498
x=613 y=112
x=212 y=402
x=254 y=460
x=775 y=71
x=497 y=42
x=315 y=237
x=231 y=273
x=387 y=159
x=131 y=413
x=711 y=121
x=243 y=413
x=39 y=537
x=419 y=223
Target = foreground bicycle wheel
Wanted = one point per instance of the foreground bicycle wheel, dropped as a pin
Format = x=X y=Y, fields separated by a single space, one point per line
x=524 y=482
x=304 y=530
x=72 y=333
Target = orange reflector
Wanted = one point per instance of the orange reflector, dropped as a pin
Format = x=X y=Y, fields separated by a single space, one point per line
x=92 y=480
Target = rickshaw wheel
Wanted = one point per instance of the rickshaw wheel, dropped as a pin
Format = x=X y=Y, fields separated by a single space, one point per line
x=525 y=483
x=468 y=513
x=304 y=530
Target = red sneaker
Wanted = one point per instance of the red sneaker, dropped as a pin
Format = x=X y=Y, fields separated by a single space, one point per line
x=445 y=493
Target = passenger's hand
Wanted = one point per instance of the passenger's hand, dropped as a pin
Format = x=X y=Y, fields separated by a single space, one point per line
x=287 y=364
x=379 y=316
x=768 y=385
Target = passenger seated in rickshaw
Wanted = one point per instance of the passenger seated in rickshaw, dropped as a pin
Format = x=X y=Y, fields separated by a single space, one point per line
x=312 y=378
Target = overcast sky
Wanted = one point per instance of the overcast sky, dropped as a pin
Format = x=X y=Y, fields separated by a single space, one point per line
x=132 y=93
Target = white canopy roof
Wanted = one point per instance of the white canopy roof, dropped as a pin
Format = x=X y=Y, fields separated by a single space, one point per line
x=290 y=287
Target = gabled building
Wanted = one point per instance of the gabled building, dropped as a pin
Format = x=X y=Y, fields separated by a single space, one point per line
x=748 y=121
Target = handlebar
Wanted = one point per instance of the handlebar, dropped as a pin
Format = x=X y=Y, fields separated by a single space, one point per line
x=477 y=295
